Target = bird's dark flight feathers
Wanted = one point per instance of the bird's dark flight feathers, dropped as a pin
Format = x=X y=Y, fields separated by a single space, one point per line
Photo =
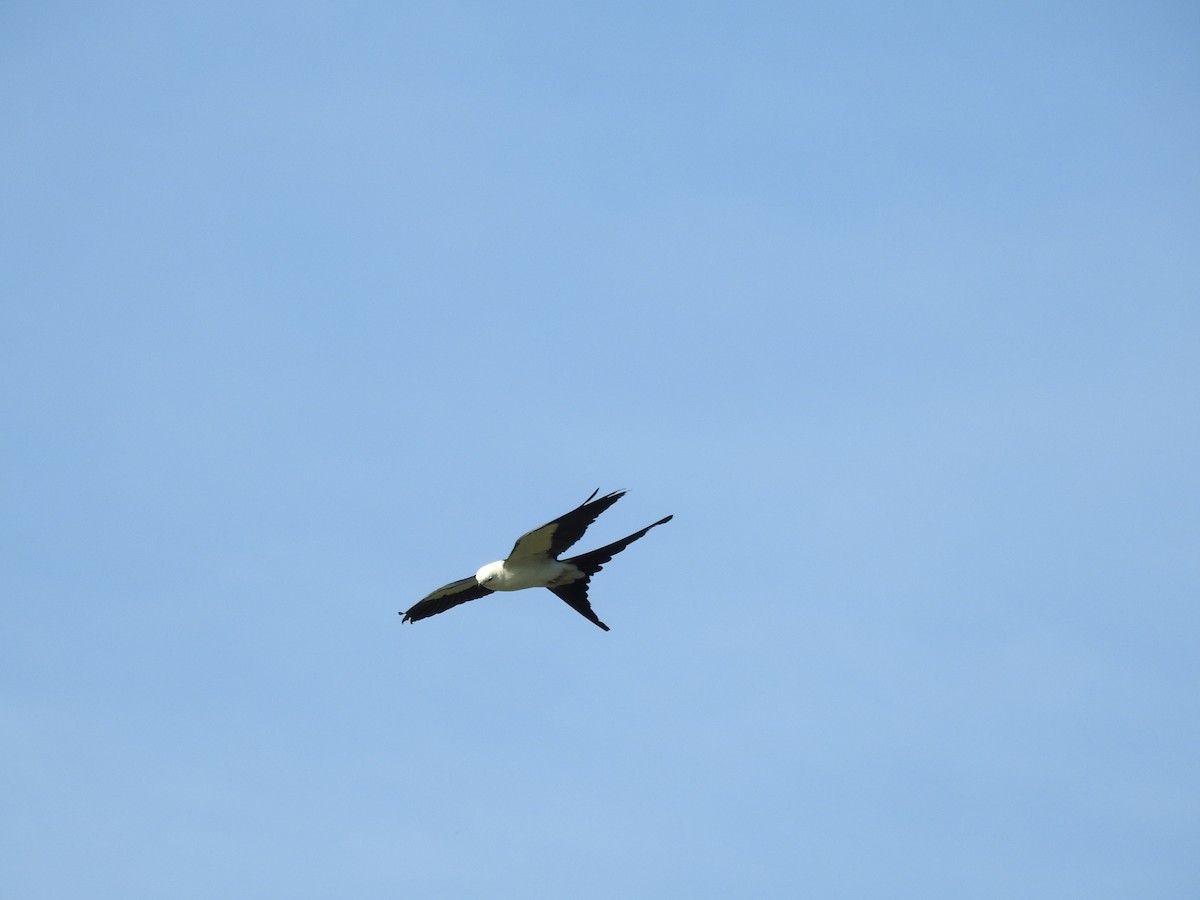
x=560 y=535
x=447 y=597
x=549 y=541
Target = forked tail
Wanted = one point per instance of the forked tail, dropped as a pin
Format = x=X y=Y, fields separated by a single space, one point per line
x=575 y=593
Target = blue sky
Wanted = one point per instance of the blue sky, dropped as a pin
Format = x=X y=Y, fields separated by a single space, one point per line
x=310 y=308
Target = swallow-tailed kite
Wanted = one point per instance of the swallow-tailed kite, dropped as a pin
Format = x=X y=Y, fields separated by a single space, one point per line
x=534 y=562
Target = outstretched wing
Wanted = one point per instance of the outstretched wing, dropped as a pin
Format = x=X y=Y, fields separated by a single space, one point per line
x=555 y=537
x=593 y=561
x=445 y=598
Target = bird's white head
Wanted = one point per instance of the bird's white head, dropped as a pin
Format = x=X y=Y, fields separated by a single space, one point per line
x=491 y=574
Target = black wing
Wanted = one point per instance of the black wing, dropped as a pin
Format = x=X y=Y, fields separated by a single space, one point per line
x=445 y=598
x=593 y=561
x=555 y=537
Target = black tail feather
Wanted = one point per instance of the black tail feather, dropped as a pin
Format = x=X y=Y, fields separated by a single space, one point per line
x=575 y=596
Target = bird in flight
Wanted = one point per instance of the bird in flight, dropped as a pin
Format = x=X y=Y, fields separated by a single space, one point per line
x=534 y=562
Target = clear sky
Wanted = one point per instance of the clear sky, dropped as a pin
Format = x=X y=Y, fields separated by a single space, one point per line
x=309 y=308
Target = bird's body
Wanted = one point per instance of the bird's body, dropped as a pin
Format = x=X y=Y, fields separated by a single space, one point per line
x=534 y=562
x=526 y=573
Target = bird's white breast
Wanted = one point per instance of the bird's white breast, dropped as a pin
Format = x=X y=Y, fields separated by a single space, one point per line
x=516 y=576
